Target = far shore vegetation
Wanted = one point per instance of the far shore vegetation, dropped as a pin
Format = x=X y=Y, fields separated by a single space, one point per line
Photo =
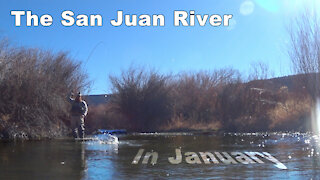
x=34 y=85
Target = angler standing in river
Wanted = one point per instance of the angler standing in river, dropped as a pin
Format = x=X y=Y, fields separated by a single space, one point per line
x=79 y=111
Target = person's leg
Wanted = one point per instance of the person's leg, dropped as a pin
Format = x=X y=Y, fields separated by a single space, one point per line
x=75 y=122
x=82 y=127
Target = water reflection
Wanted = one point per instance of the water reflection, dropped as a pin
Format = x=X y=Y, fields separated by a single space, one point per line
x=100 y=160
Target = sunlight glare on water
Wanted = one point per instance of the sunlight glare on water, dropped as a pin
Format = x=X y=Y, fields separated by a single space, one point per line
x=315 y=122
x=316 y=118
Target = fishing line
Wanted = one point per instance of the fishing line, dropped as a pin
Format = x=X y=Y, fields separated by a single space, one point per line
x=92 y=51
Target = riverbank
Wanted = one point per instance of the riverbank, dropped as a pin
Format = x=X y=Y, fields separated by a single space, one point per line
x=34 y=91
x=25 y=131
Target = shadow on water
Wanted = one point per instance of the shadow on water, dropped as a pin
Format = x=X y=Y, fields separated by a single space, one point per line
x=93 y=160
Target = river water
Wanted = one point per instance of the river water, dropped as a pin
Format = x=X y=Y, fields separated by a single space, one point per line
x=297 y=153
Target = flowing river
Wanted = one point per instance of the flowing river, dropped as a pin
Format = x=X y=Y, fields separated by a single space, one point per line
x=166 y=156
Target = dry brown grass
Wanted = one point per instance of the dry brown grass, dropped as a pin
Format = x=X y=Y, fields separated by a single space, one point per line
x=179 y=124
x=290 y=114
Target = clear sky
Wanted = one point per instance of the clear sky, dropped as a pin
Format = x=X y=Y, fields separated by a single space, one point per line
x=257 y=33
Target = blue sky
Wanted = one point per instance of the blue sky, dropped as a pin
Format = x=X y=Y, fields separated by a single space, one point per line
x=258 y=33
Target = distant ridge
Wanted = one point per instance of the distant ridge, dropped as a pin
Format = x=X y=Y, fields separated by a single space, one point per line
x=94 y=100
x=290 y=81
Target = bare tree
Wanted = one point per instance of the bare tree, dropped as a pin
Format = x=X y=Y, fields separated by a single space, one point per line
x=259 y=71
x=143 y=97
x=304 y=49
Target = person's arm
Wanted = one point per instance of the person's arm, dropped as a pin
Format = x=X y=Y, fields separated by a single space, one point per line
x=85 y=108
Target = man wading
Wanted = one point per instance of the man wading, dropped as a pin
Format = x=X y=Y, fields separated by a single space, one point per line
x=78 y=112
